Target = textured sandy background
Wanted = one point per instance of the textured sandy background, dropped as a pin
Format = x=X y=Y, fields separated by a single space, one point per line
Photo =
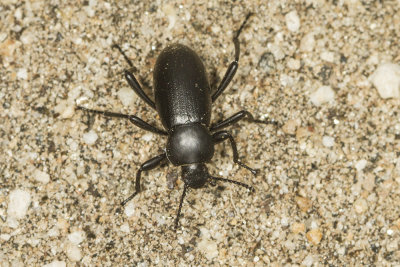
x=328 y=191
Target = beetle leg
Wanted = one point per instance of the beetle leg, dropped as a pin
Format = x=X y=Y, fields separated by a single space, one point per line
x=134 y=119
x=132 y=81
x=148 y=165
x=231 y=71
x=222 y=136
x=237 y=117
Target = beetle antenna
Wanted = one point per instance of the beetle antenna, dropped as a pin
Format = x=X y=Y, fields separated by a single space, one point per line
x=233 y=182
x=178 y=215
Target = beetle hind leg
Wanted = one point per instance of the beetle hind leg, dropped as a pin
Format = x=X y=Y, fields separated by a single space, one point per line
x=132 y=81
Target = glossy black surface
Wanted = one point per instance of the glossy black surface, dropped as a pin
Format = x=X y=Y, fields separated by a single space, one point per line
x=181 y=89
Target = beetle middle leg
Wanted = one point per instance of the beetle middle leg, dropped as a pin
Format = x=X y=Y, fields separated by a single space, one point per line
x=231 y=71
x=147 y=166
x=222 y=136
x=237 y=117
x=132 y=81
x=134 y=119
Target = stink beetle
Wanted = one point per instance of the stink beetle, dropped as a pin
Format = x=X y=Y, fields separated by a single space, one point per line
x=183 y=99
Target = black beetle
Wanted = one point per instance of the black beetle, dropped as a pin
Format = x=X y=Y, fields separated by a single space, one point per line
x=183 y=100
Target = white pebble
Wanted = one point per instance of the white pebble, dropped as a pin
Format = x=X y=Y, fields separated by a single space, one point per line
x=19 y=203
x=147 y=137
x=307 y=43
x=308 y=261
x=129 y=209
x=56 y=264
x=360 y=165
x=293 y=64
x=22 y=74
x=386 y=79
x=328 y=56
x=41 y=177
x=127 y=96
x=328 y=141
x=209 y=248
x=73 y=252
x=90 y=137
x=322 y=95
x=76 y=237
x=292 y=21
x=361 y=206
x=125 y=228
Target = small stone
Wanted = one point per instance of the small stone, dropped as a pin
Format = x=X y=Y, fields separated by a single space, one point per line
x=76 y=237
x=19 y=201
x=127 y=96
x=209 y=248
x=41 y=177
x=328 y=56
x=129 y=209
x=307 y=43
x=293 y=64
x=90 y=137
x=314 y=236
x=308 y=261
x=292 y=21
x=22 y=74
x=56 y=264
x=303 y=203
x=322 y=95
x=360 y=165
x=360 y=205
x=328 y=141
x=298 y=228
x=73 y=252
x=290 y=126
x=386 y=79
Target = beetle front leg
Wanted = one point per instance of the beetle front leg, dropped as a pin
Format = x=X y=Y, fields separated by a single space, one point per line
x=148 y=165
x=222 y=136
x=237 y=117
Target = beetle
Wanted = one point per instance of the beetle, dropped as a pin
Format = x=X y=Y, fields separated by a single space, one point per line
x=183 y=100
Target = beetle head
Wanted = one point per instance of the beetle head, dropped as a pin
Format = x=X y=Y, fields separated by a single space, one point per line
x=195 y=175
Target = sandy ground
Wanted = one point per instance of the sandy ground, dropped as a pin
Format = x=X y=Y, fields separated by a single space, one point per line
x=329 y=182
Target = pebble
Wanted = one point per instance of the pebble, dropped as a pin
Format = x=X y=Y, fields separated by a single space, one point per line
x=322 y=95
x=360 y=206
x=41 y=176
x=73 y=252
x=303 y=203
x=127 y=96
x=386 y=79
x=76 y=237
x=292 y=21
x=307 y=43
x=129 y=209
x=90 y=137
x=314 y=236
x=308 y=261
x=209 y=248
x=328 y=141
x=19 y=201
x=293 y=64
x=298 y=228
x=328 y=56
x=290 y=126
x=22 y=74
x=56 y=264
x=360 y=165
